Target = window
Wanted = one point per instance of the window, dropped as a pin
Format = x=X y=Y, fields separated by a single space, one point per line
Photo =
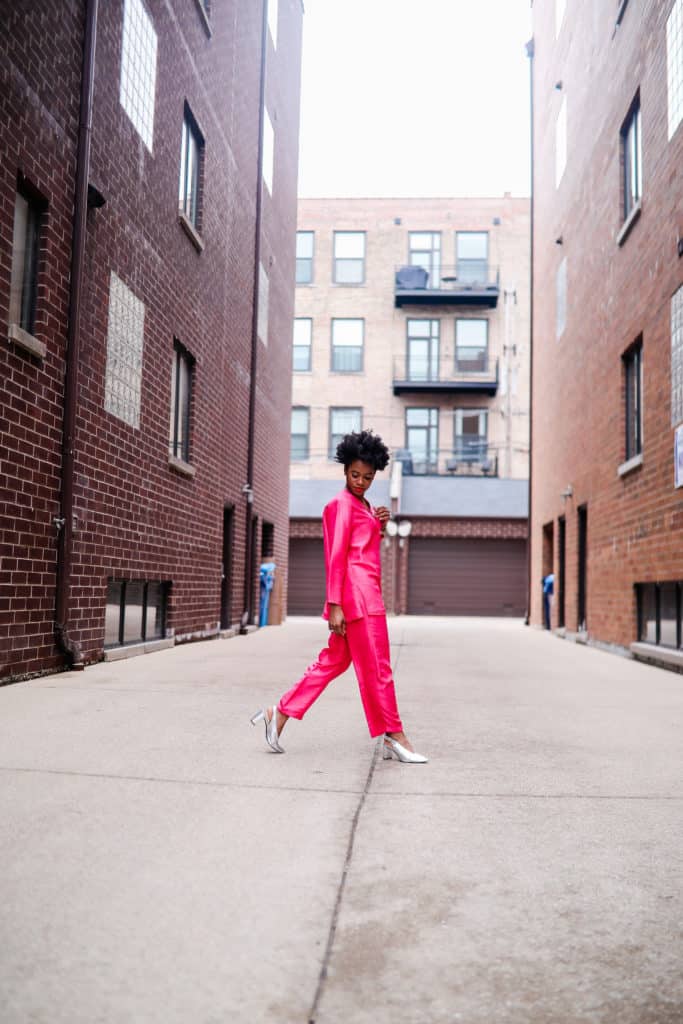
x=674 y=65
x=267 y=541
x=561 y=142
x=632 y=185
x=268 y=155
x=677 y=357
x=272 y=20
x=422 y=439
x=471 y=345
x=349 y=257
x=138 y=69
x=263 y=304
x=300 y=429
x=191 y=154
x=559 y=15
x=470 y=439
x=25 y=249
x=561 y=298
x=125 y=335
x=301 y=351
x=304 y=257
x=659 y=613
x=181 y=397
x=472 y=249
x=347 y=346
x=135 y=611
x=633 y=379
x=343 y=421
x=425 y=251
x=423 y=350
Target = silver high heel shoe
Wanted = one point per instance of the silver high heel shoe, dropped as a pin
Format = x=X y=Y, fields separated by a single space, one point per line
x=272 y=737
x=391 y=748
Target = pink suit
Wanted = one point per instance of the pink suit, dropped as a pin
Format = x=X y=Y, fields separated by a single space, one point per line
x=351 y=534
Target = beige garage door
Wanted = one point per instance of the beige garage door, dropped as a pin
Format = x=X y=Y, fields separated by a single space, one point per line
x=306 y=590
x=466 y=577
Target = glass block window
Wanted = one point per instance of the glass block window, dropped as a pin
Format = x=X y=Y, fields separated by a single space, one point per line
x=268 y=155
x=139 y=69
x=632 y=159
x=301 y=350
x=25 y=249
x=633 y=381
x=191 y=153
x=125 y=334
x=561 y=142
x=349 y=257
x=181 y=399
x=135 y=611
x=561 y=298
x=659 y=613
x=301 y=416
x=272 y=20
x=472 y=251
x=263 y=301
x=560 y=6
x=677 y=357
x=347 y=345
x=471 y=345
x=343 y=420
x=304 y=257
x=674 y=65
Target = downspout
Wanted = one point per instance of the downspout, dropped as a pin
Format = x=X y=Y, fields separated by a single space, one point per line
x=530 y=49
x=65 y=522
x=248 y=489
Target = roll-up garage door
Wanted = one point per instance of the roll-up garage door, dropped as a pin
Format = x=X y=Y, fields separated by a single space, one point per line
x=466 y=577
x=306 y=588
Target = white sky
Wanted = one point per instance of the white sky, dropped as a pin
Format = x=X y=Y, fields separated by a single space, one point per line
x=415 y=98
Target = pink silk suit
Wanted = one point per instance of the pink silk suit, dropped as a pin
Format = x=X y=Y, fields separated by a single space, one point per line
x=352 y=534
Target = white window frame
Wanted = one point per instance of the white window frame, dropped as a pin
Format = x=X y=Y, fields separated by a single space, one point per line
x=674 y=66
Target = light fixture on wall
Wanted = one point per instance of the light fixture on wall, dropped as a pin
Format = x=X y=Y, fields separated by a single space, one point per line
x=404 y=528
x=568 y=492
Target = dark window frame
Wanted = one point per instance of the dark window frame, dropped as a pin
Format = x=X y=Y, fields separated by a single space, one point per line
x=164 y=590
x=30 y=271
x=632 y=361
x=180 y=448
x=654 y=589
x=630 y=197
x=190 y=203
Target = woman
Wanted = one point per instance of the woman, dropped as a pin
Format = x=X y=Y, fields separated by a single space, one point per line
x=352 y=531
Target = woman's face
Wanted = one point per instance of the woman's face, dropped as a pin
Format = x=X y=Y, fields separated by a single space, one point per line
x=359 y=475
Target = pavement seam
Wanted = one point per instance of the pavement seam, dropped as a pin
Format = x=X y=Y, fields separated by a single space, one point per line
x=327 y=956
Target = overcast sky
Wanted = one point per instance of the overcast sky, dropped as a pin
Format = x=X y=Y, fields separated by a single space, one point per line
x=415 y=98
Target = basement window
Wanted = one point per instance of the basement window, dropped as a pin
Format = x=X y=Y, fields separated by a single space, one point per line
x=659 y=613
x=136 y=611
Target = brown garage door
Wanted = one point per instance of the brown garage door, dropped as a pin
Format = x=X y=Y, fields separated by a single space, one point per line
x=306 y=590
x=466 y=577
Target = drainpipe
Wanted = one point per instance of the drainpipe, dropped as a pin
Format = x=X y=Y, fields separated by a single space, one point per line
x=530 y=49
x=65 y=521
x=248 y=489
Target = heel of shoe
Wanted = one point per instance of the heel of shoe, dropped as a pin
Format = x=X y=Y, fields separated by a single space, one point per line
x=386 y=753
x=258 y=717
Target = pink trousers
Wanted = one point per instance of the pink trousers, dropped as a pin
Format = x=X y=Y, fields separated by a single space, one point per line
x=366 y=644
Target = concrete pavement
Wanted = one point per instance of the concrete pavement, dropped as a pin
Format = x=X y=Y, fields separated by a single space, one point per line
x=160 y=865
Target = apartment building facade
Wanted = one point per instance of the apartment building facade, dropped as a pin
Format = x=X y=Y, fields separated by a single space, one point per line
x=412 y=318
x=607 y=436
x=146 y=289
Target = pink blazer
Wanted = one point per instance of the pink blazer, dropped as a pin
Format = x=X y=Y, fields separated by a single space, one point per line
x=351 y=534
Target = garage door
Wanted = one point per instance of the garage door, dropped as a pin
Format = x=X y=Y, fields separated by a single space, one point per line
x=306 y=590
x=466 y=577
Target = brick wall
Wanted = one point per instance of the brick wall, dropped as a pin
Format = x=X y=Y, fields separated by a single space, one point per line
x=137 y=517
x=614 y=294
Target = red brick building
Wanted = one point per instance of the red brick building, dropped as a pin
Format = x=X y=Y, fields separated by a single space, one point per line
x=607 y=375
x=146 y=285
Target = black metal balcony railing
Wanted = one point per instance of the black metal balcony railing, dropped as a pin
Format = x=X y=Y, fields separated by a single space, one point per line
x=469 y=456
x=469 y=371
x=470 y=282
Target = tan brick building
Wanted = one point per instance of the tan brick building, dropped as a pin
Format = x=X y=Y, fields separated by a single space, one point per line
x=412 y=318
x=607 y=508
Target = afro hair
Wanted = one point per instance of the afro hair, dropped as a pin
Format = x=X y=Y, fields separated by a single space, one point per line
x=365 y=446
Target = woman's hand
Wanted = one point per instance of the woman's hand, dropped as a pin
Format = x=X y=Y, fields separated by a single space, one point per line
x=383 y=514
x=336 y=621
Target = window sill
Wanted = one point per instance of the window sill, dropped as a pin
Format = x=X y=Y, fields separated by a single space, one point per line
x=629 y=222
x=663 y=657
x=348 y=284
x=132 y=650
x=628 y=467
x=191 y=232
x=180 y=466
x=204 y=16
x=26 y=341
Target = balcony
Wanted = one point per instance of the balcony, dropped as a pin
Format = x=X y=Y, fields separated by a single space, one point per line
x=470 y=283
x=468 y=375
x=470 y=456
